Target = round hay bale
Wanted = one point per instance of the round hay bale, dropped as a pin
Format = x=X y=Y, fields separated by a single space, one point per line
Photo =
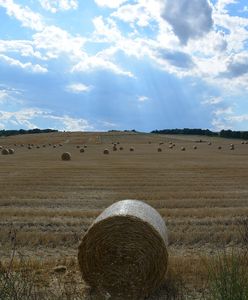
x=219 y=147
x=121 y=148
x=161 y=143
x=66 y=156
x=124 y=252
x=183 y=149
x=60 y=145
x=195 y=147
x=115 y=148
x=242 y=142
x=29 y=147
x=209 y=143
x=159 y=149
x=171 y=146
x=81 y=150
x=105 y=151
x=44 y=146
x=54 y=146
x=38 y=147
x=231 y=147
x=1 y=147
x=78 y=146
x=131 y=149
x=22 y=145
x=85 y=146
x=5 y=151
x=11 y=151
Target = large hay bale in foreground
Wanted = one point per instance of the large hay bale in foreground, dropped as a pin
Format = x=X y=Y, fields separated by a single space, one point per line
x=11 y=151
x=66 y=156
x=124 y=254
x=5 y=151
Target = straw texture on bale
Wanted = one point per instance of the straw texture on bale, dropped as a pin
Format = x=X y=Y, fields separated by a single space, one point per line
x=124 y=254
x=5 y=151
x=11 y=151
x=66 y=156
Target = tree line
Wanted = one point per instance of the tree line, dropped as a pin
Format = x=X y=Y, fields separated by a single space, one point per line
x=23 y=131
x=205 y=132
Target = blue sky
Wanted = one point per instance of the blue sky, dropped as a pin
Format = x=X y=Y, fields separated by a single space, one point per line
x=118 y=64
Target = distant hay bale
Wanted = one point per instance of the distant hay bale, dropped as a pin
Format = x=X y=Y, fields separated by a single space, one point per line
x=54 y=146
x=1 y=147
x=121 y=148
x=131 y=149
x=209 y=143
x=78 y=146
x=219 y=147
x=195 y=147
x=242 y=142
x=124 y=254
x=231 y=147
x=22 y=145
x=11 y=151
x=171 y=146
x=85 y=146
x=161 y=143
x=5 y=151
x=81 y=150
x=60 y=145
x=44 y=146
x=149 y=142
x=29 y=147
x=66 y=156
x=105 y=151
x=183 y=149
x=118 y=143
x=159 y=149
x=115 y=148
x=38 y=147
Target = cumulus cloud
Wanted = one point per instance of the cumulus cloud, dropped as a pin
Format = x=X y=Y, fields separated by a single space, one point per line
x=110 y=3
x=30 y=118
x=99 y=62
x=237 y=65
x=25 y=15
x=78 y=88
x=189 y=19
x=176 y=58
x=25 y=66
x=59 y=5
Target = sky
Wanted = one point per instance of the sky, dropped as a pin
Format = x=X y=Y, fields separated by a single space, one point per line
x=98 y=65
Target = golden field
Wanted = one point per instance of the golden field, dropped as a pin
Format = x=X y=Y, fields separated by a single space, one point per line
x=49 y=203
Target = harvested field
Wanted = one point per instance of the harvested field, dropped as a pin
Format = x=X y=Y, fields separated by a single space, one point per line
x=201 y=193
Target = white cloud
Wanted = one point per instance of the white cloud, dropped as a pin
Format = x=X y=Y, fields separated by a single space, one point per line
x=143 y=98
x=70 y=124
x=223 y=111
x=98 y=62
x=78 y=88
x=110 y=3
x=29 y=118
x=59 y=5
x=25 y=15
x=213 y=101
x=238 y=118
x=26 y=66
